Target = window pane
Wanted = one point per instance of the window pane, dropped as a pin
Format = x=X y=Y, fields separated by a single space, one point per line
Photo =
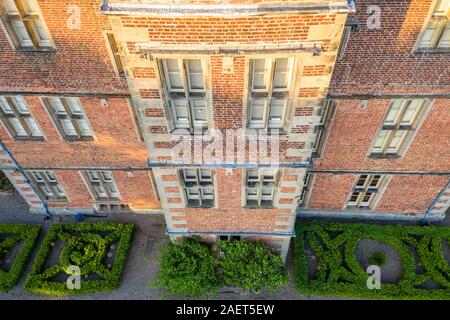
x=354 y=197
x=174 y=74
x=35 y=131
x=195 y=74
x=18 y=128
x=74 y=105
x=37 y=176
x=57 y=105
x=190 y=175
x=268 y=175
x=379 y=142
x=365 y=201
x=397 y=141
x=394 y=112
x=199 y=113
x=84 y=128
x=181 y=113
x=68 y=127
x=93 y=176
x=260 y=73
x=276 y=114
x=50 y=176
x=208 y=193
x=252 y=193
x=20 y=104
x=101 y=192
x=11 y=7
x=22 y=33
x=441 y=6
x=282 y=73
x=44 y=39
x=205 y=175
x=193 y=193
x=252 y=175
x=258 y=113
x=30 y=6
x=107 y=176
x=411 y=112
x=362 y=180
x=5 y=106
x=375 y=181
x=444 y=42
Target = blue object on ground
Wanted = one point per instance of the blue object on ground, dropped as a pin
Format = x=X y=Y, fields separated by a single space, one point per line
x=79 y=217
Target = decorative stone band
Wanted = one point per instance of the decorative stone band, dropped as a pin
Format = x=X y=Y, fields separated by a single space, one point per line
x=232 y=48
x=369 y=215
x=170 y=232
x=112 y=7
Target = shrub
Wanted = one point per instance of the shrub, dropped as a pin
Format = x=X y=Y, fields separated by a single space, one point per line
x=378 y=258
x=251 y=266
x=339 y=273
x=15 y=234
x=86 y=246
x=188 y=267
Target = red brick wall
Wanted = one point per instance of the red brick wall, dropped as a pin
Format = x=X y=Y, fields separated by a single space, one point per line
x=331 y=191
x=411 y=193
x=230 y=216
x=381 y=61
x=404 y=193
x=116 y=141
x=275 y=28
x=81 y=63
x=353 y=130
x=136 y=190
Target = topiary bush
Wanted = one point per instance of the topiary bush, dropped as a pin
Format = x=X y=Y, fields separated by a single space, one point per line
x=338 y=272
x=86 y=245
x=188 y=267
x=11 y=236
x=251 y=266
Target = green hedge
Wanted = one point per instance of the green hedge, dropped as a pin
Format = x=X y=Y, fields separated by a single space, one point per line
x=340 y=274
x=251 y=266
x=15 y=234
x=86 y=245
x=5 y=184
x=189 y=267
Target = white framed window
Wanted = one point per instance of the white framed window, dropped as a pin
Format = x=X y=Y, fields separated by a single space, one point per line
x=401 y=121
x=69 y=118
x=102 y=185
x=436 y=35
x=323 y=128
x=17 y=119
x=269 y=92
x=25 y=25
x=46 y=185
x=365 y=191
x=261 y=186
x=198 y=187
x=185 y=93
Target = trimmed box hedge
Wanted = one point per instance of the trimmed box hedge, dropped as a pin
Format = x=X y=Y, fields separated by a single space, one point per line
x=339 y=273
x=86 y=245
x=12 y=235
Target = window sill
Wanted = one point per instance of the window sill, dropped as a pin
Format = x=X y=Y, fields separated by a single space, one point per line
x=259 y=207
x=276 y=132
x=29 y=138
x=433 y=51
x=36 y=50
x=377 y=156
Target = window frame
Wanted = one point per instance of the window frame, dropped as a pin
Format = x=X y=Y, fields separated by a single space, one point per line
x=391 y=130
x=322 y=130
x=69 y=115
x=201 y=185
x=361 y=191
x=442 y=20
x=29 y=23
x=49 y=181
x=104 y=184
x=258 y=185
x=270 y=93
x=305 y=191
x=185 y=94
x=22 y=117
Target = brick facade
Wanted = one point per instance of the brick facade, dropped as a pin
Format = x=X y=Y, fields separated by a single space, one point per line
x=125 y=99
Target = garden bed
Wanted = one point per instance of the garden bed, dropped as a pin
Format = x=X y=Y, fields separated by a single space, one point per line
x=16 y=244
x=98 y=249
x=413 y=261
